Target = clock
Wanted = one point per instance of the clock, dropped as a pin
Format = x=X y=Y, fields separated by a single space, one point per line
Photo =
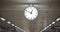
x=30 y=13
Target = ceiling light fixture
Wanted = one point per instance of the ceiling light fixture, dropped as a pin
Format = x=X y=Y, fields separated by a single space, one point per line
x=57 y=19
x=50 y=24
x=12 y=24
x=53 y=22
x=15 y=26
x=8 y=22
x=47 y=26
x=2 y=19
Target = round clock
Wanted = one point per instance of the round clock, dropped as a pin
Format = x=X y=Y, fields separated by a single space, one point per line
x=31 y=13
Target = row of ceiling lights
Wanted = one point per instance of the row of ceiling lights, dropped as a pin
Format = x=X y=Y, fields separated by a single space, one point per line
x=58 y=19
x=24 y=31
x=3 y=19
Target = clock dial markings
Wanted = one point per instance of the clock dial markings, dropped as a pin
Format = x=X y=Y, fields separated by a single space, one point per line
x=31 y=13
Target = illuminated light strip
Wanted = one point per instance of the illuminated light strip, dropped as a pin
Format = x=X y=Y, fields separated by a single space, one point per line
x=2 y=19
x=12 y=24
x=19 y=28
x=15 y=26
x=8 y=22
x=46 y=27
x=53 y=22
x=57 y=19
x=50 y=25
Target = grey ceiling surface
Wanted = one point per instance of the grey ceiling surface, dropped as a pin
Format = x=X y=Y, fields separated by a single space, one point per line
x=13 y=10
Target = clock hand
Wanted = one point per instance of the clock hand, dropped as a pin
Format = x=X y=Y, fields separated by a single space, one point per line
x=31 y=12
x=27 y=11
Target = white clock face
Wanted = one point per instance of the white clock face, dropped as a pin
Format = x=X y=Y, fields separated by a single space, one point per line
x=31 y=13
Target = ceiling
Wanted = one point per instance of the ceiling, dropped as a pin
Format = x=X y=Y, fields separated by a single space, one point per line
x=13 y=10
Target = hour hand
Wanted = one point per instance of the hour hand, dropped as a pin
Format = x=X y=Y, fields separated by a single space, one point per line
x=31 y=12
x=28 y=11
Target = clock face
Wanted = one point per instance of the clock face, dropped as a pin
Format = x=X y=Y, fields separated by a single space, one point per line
x=31 y=13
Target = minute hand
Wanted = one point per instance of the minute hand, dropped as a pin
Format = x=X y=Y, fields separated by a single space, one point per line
x=31 y=12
